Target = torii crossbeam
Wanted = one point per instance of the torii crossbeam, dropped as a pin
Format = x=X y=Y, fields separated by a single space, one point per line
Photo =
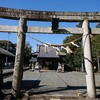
x=47 y=16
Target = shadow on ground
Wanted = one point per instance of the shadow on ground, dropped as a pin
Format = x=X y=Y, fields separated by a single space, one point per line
x=34 y=87
x=29 y=84
x=46 y=89
x=26 y=84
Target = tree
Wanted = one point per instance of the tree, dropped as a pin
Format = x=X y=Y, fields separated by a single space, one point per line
x=96 y=50
x=7 y=45
x=73 y=60
x=27 y=53
x=76 y=58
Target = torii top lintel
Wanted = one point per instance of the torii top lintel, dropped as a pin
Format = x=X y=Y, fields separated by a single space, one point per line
x=48 y=15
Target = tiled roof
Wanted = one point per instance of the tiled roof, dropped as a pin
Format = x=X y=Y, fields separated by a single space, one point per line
x=5 y=52
x=51 y=53
x=33 y=59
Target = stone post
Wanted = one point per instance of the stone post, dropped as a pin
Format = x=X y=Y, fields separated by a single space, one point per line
x=90 y=80
x=98 y=61
x=59 y=69
x=62 y=67
x=18 y=67
x=1 y=77
x=37 y=69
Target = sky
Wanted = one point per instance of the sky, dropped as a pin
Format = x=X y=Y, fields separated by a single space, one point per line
x=46 y=5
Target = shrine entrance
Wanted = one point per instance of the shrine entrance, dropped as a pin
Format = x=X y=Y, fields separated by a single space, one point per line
x=54 y=18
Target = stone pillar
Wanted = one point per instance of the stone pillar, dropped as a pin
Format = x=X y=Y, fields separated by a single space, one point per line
x=98 y=60
x=33 y=66
x=1 y=77
x=37 y=69
x=62 y=67
x=18 y=67
x=90 y=80
x=59 y=67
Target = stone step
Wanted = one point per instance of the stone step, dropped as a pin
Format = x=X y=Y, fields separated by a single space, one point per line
x=52 y=97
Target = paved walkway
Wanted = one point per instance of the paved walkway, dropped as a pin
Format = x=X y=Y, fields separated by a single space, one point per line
x=70 y=84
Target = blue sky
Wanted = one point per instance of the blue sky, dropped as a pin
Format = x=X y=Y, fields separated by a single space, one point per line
x=47 y=5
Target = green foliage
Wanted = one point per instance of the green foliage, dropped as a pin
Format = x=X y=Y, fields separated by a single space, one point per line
x=78 y=53
x=12 y=48
x=95 y=41
x=27 y=53
x=75 y=60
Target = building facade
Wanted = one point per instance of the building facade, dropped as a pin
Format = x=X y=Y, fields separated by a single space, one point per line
x=47 y=57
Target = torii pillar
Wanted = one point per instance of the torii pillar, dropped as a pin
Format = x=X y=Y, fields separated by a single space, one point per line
x=90 y=78
x=18 y=67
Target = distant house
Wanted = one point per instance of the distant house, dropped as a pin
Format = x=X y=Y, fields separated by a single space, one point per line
x=8 y=45
x=47 y=57
x=7 y=51
x=4 y=52
x=3 y=55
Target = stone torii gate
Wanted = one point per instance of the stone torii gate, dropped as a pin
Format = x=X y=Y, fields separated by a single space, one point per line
x=47 y=16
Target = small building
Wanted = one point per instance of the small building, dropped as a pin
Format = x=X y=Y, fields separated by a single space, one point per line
x=3 y=54
x=47 y=57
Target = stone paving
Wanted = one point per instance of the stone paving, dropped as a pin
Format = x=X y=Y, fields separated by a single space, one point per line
x=70 y=84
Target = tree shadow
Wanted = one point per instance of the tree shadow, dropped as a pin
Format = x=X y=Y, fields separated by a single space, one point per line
x=77 y=87
x=55 y=89
x=34 y=87
x=66 y=89
x=47 y=90
x=7 y=85
x=26 y=84
x=29 y=84
x=98 y=91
